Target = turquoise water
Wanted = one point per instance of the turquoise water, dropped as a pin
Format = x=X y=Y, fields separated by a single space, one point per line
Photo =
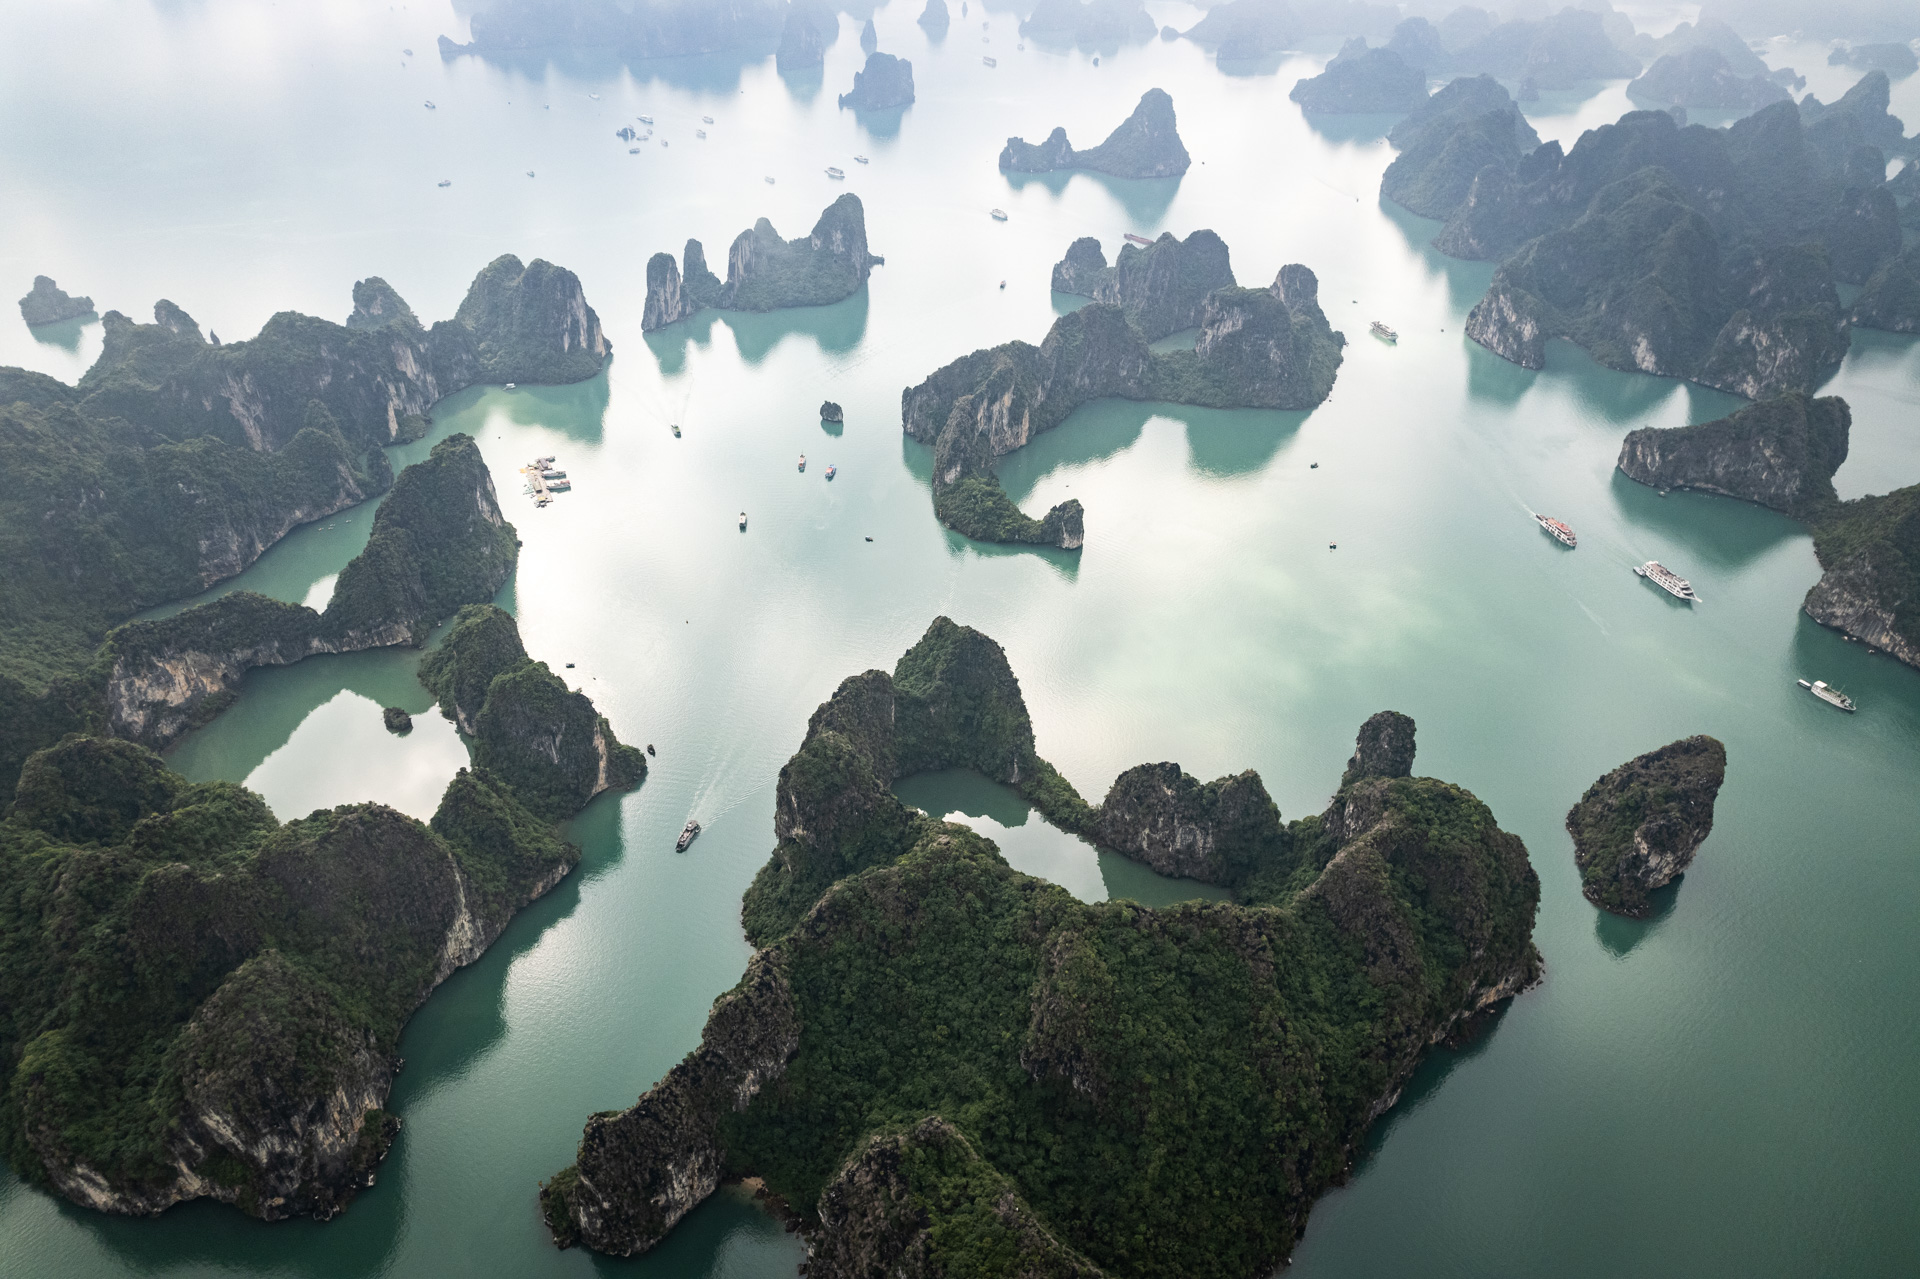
x=1723 y=1089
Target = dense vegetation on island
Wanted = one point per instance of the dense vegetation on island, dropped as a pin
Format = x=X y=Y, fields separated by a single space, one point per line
x=947 y=1067
x=201 y=1001
x=626 y=28
x=527 y=727
x=47 y=303
x=1146 y=145
x=1360 y=80
x=437 y=543
x=1637 y=828
x=1258 y=348
x=1162 y=288
x=175 y=463
x=1706 y=254
x=1445 y=143
x=1700 y=77
x=885 y=82
x=764 y=272
x=1869 y=553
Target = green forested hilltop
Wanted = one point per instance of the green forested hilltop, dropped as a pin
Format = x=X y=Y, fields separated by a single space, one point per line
x=945 y=1065
x=176 y=461
x=197 y=1000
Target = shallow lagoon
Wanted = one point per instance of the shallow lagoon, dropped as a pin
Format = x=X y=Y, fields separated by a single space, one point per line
x=1723 y=1089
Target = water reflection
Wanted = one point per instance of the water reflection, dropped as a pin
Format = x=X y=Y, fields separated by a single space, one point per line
x=1494 y=382
x=1618 y=935
x=1145 y=200
x=804 y=83
x=1353 y=128
x=883 y=123
x=1721 y=531
x=704 y=73
x=64 y=334
x=835 y=329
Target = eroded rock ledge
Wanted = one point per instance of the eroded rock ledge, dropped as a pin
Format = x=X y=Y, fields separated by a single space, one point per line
x=1780 y=453
x=1012 y=1037
x=1146 y=145
x=764 y=272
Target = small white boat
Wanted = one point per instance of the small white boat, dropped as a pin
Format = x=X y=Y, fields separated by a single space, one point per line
x=511 y=385
x=836 y=174
x=999 y=215
x=803 y=461
x=769 y=181
x=431 y=107
x=706 y=119
x=1003 y=284
x=989 y=62
x=743 y=521
x=446 y=182
x=1829 y=694
x=859 y=159
x=675 y=428
x=832 y=470
x=529 y=172
x=594 y=96
x=663 y=142
x=1380 y=330
x=1559 y=530
x=699 y=133
x=633 y=150
x=644 y=119
x=687 y=833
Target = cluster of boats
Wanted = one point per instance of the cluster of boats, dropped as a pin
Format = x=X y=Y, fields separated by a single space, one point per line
x=544 y=478
x=1680 y=588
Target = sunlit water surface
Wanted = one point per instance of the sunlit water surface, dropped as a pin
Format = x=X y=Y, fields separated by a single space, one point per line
x=1725 y=1089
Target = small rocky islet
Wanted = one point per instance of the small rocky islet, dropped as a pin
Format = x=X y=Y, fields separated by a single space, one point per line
x=765 y=272
x=47 y=303
x=1012 y=1037
x=1145 y=145
x=1637 y=829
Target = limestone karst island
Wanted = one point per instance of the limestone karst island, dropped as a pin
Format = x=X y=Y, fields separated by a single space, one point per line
x=1057 y=639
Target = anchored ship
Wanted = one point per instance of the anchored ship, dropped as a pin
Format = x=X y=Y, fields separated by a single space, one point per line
x=836 y=173
x=706 y=119
x=1561 y=533
x=989 y=61
x=859 y=159
x=1382 y=331
x=1667 y=580
x=999 y=215
x=1829 y=694
x=687 y=833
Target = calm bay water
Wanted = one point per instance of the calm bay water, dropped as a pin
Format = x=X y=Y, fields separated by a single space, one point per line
x=1725 y=1089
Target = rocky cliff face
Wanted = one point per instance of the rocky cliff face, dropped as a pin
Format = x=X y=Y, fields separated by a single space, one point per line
x=809 y=29
x=1870 y=588
x=1384 y=749
x=438 y=542
x=1468 y=126
x=1218 y=833
x=263 y=971
x=641 y=1170
x=1891 y=300
x=764 y=272
x=1362 y=81
x=934 y=17
x=528 y=729
x=1146 y=145
x=1162 y=288
x=1264 y=348
x=527 y=323
x=886 y=82
x=1700 y=77
x=1780 y=453
x=1637 y=828
x=927 y=973
x=1639 y=282
x=46 y=303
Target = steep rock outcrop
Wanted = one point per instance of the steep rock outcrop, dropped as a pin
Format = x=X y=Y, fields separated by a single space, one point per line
x=810 y=29
x=217 y=1015
x=47 y=303
x=1146 y=145
x=1869 y=552
x=1258 y=348
x=764 y=272
x=1700 y=77
x=1162 y=288
x=1222 y=832
x=1780 y=453
x=1891 y=300
x=1637 y=828
x=1558 y=52
x=884 y=83
x=1360 y=80
x=1638 y=281
x=439 y=541
x=1089 y=23
x=528 y=728
x=934 y=17
x=1469 y=125
x=928 y=979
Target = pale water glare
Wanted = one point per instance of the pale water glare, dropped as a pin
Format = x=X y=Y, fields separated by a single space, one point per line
x=1725 y=1089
